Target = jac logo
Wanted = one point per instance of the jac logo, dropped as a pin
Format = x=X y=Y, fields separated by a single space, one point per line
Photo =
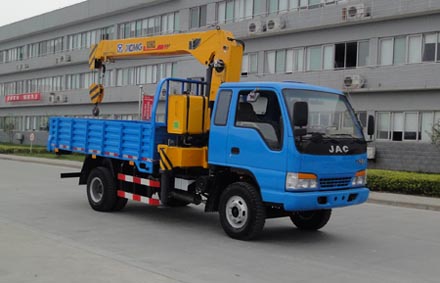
x=339 y=149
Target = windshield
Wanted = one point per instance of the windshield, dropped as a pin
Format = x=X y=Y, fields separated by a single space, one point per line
x=330 y=114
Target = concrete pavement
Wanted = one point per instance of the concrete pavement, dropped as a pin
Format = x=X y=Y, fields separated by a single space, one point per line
x=49 y=233
x=408 y=201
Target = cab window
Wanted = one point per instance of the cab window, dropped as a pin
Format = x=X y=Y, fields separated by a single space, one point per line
x=260 y=110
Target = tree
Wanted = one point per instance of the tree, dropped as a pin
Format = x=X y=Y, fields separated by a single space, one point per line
x=9 y=129
x=435 y=135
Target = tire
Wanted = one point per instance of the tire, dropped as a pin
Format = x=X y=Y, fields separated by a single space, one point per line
x=311 y=220
x=242 y=213
x=101 y=190
x=120 y=204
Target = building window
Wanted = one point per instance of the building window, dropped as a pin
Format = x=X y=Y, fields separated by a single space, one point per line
x=238 y=10
x=399 y=50
x=298 y=60
x=314 y=58
x=426 y=124
x=314 y=4
x=143 y=74
x=328 y=57
x=170 y=23
x=275 y=6
x=167 y=23
x=276 y=61
x=272 y=6
x=414 y=49
x=386 y=51
x=285 y=60
x=197 y=17
x=280 y=61
x=411 y=129
x=438 y=49
x=352 y=54
x=289 y=61
x=270 y=62
x=107 y=33
x=383 y=125
x=250 y=64
x=397 y=127
x=363 y=53
x=406 y=126
x=429 y=47
x=88 y=38
x=12 y=55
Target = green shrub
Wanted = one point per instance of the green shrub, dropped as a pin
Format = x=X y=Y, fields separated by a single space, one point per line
x=37 y=151
x=404 y=182
x=14 y=149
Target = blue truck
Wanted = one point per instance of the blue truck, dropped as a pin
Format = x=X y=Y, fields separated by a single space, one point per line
x=258 y=150
x=263 y=158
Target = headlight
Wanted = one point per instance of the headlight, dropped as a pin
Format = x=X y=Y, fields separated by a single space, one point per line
x=301 y=181
x=360 y=179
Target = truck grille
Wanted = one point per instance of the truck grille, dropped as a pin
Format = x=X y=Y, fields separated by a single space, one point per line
x=334 y=182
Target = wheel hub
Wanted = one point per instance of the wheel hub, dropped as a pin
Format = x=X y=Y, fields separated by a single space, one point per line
x=236 y=212
x=96 y=190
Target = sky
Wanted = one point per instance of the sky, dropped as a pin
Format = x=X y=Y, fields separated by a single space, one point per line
x=17 y=10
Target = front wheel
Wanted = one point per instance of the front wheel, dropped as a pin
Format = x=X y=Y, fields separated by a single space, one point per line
x=311 y=220
x=242 y=213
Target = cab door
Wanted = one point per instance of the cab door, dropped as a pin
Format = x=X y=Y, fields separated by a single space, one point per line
x=256 y=138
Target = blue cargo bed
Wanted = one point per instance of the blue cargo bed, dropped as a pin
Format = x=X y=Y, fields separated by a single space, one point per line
x=124 y=140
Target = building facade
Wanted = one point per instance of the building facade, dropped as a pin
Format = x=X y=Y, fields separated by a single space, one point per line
x=384 y=54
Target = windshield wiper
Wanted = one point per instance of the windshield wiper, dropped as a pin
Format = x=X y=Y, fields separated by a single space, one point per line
x=355 y=139
x=319 y=137
x=341 y=135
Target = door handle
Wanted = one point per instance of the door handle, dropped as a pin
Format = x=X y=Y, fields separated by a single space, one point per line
x=235 y=150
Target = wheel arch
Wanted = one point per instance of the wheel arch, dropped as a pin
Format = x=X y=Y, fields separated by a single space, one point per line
x=91 y=163
x=224 y=176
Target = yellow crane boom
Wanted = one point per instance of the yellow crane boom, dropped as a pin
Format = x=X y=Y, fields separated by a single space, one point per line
x=217 y=49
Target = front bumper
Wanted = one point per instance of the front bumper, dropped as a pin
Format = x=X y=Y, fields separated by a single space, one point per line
x=302 y=201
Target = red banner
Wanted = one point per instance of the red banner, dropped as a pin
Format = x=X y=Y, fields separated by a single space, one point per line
x=147 y=106
x=23 y=97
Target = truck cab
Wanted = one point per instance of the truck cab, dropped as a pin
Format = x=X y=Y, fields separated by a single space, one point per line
x=311 y=160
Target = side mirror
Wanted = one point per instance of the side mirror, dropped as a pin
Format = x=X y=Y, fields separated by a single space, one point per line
x=300 y=114
x=371 y=125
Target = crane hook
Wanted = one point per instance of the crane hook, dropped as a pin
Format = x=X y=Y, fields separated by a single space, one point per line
x=95 y=110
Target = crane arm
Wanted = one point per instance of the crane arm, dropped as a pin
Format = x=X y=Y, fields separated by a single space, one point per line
x=216 y=49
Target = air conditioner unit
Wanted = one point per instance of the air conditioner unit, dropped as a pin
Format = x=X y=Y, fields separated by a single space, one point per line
x=59 y=98
x=52 y=98
x=354 y=81
x=355 y=12
x=275 y=24
x=256 y=26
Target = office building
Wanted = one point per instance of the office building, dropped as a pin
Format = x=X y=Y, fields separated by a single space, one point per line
x=384 y=54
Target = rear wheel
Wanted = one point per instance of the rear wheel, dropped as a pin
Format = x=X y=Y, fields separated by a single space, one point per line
x=242 y=213
x=101 y=191
x=311 y=220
